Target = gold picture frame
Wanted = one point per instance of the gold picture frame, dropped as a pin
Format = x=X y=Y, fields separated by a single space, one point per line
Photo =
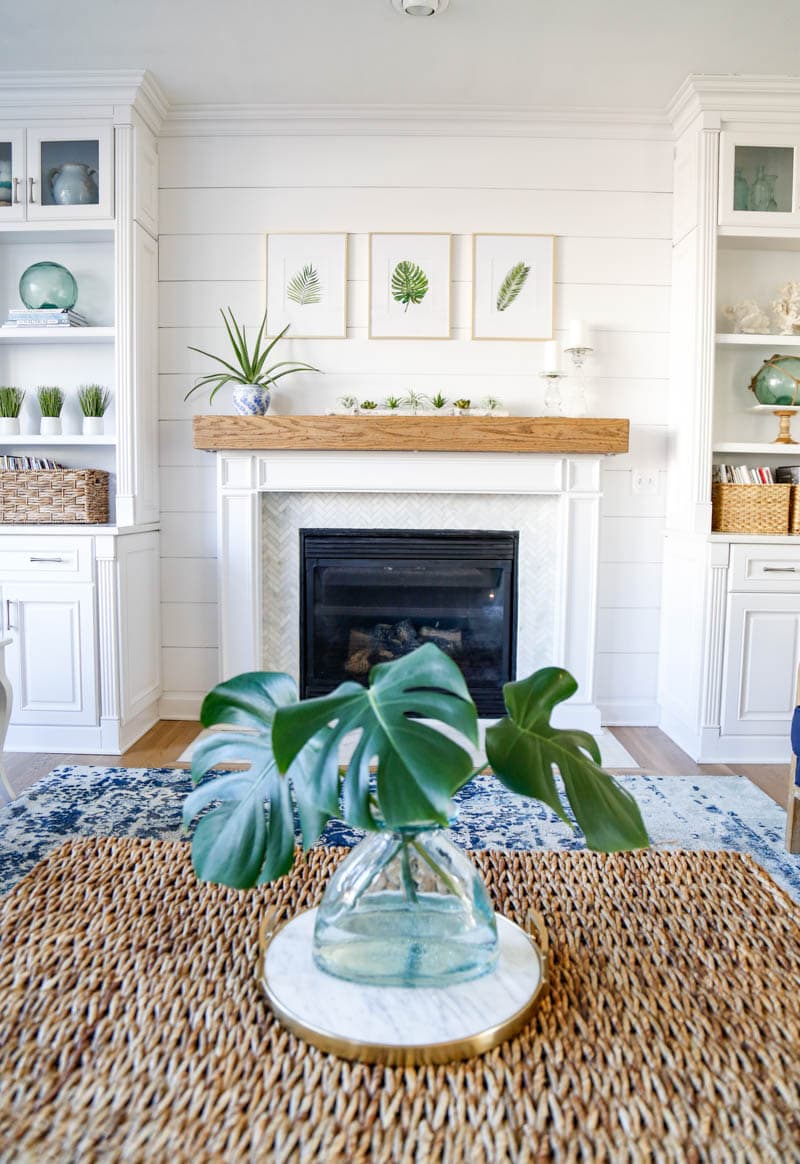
x=428 y=282
x=513 y=281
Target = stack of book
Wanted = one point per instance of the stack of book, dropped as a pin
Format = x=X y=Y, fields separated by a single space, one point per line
x=742 y=475
x=28 y=463
x=44 y=317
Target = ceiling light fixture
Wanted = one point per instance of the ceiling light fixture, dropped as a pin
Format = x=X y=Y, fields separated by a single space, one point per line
x=415 y=8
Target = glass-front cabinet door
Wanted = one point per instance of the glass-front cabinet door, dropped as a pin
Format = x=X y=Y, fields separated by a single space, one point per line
x=70 y=173
x=12 y=175
x=759 y=180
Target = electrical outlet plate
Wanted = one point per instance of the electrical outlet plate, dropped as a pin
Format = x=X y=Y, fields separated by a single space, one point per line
x=644 y=481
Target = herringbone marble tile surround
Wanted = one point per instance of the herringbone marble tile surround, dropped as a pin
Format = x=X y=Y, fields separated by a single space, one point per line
x=283 y=515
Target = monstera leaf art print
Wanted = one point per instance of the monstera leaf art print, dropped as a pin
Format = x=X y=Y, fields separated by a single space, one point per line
x=409 y=283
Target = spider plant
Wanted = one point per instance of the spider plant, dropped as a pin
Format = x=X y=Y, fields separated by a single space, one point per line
x=491 y=404
x=248 y=366
x=51 y=400
x=93 y=399
x=11 y=401
x=413 y=401
x=348 y=403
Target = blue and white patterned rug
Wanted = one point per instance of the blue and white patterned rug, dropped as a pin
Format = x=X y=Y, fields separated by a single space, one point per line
x=681 y=812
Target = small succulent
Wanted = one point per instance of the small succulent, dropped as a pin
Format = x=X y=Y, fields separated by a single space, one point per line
x=93 y=399
x=11 y=401
x=491 y=404
x=413 y=400
x=51 y=400
x=348 y=403
x=438 y=401
x=368 y=405
x=462 y=405
x=393 y=403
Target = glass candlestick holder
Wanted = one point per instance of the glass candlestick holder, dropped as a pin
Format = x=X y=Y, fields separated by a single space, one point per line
x=552 y=392
x=573 y=394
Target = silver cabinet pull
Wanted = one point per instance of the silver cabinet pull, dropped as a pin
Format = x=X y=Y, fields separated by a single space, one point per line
x=31 y=184
x=9 y=625
x=32 y=559
x=16 y=191
x=782 y=569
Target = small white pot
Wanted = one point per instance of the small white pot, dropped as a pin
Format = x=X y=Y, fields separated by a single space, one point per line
x=50 y=426
x=9 y=426
x=93 y=426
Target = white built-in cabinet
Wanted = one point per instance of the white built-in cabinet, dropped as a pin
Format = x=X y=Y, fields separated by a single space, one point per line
x=730 y=643
x=80 y=604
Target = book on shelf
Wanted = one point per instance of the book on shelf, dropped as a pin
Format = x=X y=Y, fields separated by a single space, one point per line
x=15 y=463
x=44 y=317
x=743 y=475
x=787 y=475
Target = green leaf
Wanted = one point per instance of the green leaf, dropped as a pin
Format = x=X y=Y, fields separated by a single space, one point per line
x=512 y=285
x=248 y=835
x=249 y=367
x=409 y=283
x=419 y=768
x=524 y=748
x=304 y=287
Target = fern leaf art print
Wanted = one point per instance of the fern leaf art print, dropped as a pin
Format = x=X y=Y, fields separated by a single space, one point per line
x=512 y=285
x=409 y=283
x=304 y=287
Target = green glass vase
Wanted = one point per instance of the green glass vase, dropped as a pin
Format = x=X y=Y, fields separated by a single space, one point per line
x=48 y=285
x=406 y=908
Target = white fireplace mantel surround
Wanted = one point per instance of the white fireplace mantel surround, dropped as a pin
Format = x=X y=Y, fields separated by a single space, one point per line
x=572 y=481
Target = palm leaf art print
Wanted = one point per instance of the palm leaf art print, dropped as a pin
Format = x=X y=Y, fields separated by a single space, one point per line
x=409 y=283
x=512 y=285
x=304 y=287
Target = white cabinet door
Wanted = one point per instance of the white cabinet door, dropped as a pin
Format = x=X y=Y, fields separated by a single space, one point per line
x=759 y=180
x=761 y=660
x=12 y=175
x=51 y=657
x=70 y=173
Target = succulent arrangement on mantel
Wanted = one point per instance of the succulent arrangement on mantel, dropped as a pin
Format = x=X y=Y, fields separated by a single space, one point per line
x=417 y=404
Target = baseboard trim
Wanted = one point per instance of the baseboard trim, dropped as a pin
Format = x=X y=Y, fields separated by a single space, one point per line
x=180 y=705
x=629 y=713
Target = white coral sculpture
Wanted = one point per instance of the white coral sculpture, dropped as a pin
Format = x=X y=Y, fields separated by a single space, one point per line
x=787 y=309
x=748 y=317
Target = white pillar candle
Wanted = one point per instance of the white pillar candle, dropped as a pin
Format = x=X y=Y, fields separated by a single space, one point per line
x=552 y=358
x=580 y=335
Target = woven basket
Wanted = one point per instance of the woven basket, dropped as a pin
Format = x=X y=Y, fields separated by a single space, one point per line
x=794 y=511
x=756 y=509
x=53 y=496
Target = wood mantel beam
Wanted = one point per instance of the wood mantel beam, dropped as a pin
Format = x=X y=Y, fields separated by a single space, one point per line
x=457 y=434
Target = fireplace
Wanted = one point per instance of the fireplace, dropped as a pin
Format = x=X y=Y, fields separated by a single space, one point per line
x=370 y=596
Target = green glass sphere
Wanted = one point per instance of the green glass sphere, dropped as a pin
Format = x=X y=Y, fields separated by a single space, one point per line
x=48 y=284
x=778 y=381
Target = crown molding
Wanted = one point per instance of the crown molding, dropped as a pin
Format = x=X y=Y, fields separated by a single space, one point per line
x=732 y=97
x=430 y=120
x=46 y=92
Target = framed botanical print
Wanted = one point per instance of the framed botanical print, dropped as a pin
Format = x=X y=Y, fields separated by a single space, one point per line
x=307 y=285
x=409 y=286
x=512 y=286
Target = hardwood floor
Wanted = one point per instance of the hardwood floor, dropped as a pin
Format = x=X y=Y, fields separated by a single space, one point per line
x=164 y=743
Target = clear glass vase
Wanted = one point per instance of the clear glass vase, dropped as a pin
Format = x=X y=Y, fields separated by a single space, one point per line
x=406 y=908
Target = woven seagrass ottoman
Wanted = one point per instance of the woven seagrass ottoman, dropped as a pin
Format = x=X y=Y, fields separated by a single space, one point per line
x=132 y=1027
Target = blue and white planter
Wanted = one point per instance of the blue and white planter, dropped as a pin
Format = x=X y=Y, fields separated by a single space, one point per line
x=251 y=399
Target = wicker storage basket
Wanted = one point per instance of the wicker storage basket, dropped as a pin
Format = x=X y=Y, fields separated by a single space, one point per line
x=756 y=509
x=794 y=511
x=53 y=496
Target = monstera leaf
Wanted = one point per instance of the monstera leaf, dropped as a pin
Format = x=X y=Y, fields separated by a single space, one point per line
x=409 y=283
x=248 y=836
x=419 y=768
x=524 y=748
x=512 y=285
x=304 y=287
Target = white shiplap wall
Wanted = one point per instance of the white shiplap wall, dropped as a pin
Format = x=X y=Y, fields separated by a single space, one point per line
x=608 y=199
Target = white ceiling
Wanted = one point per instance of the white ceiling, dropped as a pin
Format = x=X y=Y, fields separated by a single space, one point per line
x=617 y=54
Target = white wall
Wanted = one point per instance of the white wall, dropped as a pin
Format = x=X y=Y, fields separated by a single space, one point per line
x=607 y=196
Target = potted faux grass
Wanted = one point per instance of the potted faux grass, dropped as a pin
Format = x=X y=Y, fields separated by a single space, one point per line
x=94 y=401
x=247 y=369
x=51 y=401
x=11 y=400
x=405 y=907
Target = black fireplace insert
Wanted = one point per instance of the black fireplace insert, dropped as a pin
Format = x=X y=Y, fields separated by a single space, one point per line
x=369 y=596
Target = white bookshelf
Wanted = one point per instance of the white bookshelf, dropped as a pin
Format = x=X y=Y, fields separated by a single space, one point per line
x=67 y=439
x=727 y=339
x=57 y=335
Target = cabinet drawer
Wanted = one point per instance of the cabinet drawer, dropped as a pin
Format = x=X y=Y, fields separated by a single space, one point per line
x=773 y=569
x=46 y=558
